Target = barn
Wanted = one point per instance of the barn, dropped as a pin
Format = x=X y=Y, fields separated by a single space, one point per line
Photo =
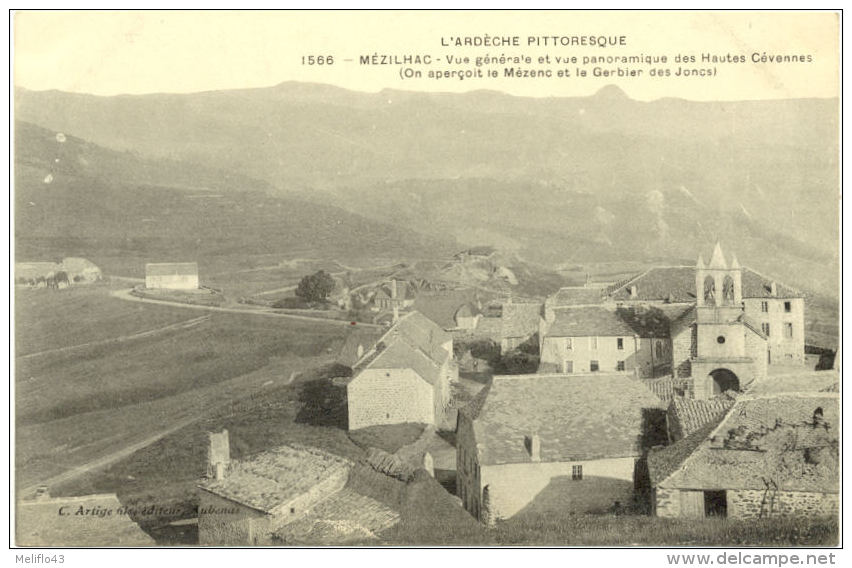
x=171 y=275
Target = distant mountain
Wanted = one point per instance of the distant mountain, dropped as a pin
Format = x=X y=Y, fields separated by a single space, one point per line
x=557 y=179
x=74 y=198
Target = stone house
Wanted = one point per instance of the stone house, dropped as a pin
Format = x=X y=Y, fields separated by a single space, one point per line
x=404 y=377
x=171 y=275
x=247 y=503
x=775 y=455
x=589 y=339
x=553 y=442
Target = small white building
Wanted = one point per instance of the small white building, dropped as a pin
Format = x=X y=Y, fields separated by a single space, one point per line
x=171 y=275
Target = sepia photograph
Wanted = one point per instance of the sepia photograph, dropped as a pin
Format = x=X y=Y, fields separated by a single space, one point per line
x=435 y=278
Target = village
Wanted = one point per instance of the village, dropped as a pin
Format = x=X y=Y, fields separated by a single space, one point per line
x=681 y=392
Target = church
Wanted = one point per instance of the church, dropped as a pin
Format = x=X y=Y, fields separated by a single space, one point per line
x=718 y=325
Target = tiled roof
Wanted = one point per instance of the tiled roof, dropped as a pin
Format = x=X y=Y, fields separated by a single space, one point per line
x=667 y=388
x=577 y=417
x=357 y=336
x=688 y=415
x=171 y=268
x=399 y=354
x=677 y=284
x=588 y=321
x=576 y=296
x=803 y=381
x=422 y=332
x=275 y=477
x=520 y=320
x=662 y=462
x=773 y=439
x=441 y=307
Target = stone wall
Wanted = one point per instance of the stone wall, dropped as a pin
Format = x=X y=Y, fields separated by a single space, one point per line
x=666 y=503
x=683 y=349
x=389 y=396
x=753 y=504
x=224 y=522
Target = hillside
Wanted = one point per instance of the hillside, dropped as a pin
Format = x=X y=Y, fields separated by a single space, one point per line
x=73 y=198
x=558 y=179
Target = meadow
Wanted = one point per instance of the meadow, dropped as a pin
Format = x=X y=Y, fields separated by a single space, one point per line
x=75 y=406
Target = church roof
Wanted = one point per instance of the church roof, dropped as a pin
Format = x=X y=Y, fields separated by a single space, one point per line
x=676 y=284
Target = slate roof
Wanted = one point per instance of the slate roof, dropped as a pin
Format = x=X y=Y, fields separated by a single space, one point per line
x=171 y=268
x=576 y=296
x=399 y=354
x=520 y=320
x=275 y=477
x=768 y=438
x=662 y=462
x=803 y=381
x=688 y=415
x=577 y=417
x=441 y=307
x=357 y=336
x=678 y=284
x=587 y=322
x=667 y=388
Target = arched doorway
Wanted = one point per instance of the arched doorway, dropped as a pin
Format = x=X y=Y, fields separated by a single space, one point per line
x=724 y=380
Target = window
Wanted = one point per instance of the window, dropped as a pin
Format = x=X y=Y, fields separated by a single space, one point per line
x=569 y=366
x=568 y=344
x=788 y=330
x=659 y=349
x=594 y=366
x=620 y=342
x=619 y=366
x=788 y=307
x=576 y=472
x=765 y=328
x=764 y=306
x=593 y=343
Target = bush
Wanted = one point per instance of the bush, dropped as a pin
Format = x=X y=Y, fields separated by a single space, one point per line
x=316 y=287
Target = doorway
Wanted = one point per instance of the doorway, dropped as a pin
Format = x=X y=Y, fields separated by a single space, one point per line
x=715 y=503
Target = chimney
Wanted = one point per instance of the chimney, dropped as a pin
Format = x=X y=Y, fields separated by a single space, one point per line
x=773 y=289
x=633 y=291
x=533 y=444
x=393 y=289
x=218 y=454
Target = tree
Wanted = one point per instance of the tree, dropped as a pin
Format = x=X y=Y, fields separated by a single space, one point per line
x=316 y=287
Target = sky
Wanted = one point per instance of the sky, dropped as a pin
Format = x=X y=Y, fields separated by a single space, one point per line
x=109 y=53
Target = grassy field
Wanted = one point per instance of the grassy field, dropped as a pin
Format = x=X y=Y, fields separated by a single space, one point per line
x=51 y=319
x=75 y=406
x=225 y=346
